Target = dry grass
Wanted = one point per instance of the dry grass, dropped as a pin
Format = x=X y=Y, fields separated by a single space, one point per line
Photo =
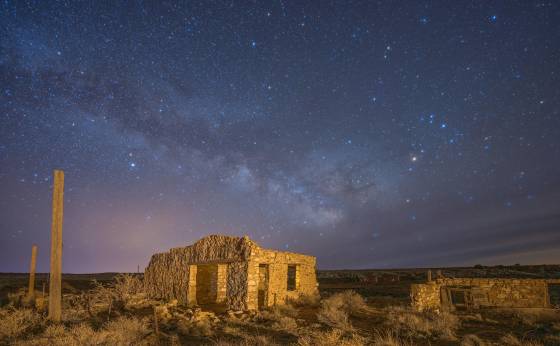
x=512 y=340
x=333 y=337
x=422 y=324
x=389 y=337
x=15 y=323
x=336 y=309
x=126 y=331
x=472 y=340
x=306 y=300
x=277 y=313
x=122 y=331
x=259 y=340
x=202 y=327
x=287 y=324
x=127 y=285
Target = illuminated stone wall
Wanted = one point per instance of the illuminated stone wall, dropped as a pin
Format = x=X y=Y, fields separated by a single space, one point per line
x=232 y=277
x=475 y=293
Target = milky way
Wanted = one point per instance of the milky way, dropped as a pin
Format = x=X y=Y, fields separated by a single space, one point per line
x=369 y=134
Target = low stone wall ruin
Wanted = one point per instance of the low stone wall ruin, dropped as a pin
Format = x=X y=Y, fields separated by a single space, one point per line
x=480 y=293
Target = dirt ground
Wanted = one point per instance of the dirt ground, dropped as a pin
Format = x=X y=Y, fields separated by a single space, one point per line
x=378 y=314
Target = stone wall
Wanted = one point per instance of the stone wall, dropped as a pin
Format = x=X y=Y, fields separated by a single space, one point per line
x=167 y=275
x=482 y=293
x=236 y=291
x=173 y=275
x=278 y=261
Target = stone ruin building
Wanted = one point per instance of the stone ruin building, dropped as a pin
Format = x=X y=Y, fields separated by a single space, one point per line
x=456 y=294
x=231 y=273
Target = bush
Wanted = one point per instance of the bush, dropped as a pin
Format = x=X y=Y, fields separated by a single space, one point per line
x=286 y=323
x=126 y=331
x=306 y=300
x=423 y=324
x=336 y=309
x=277 y=313
x=18 y=322
x=334 y=337
x=127 y=285
x=113 y=296
x=472 y=340
x=259 y=340
x=197 y=328
x=512 y=340
x=389 y=337
x=83 y=334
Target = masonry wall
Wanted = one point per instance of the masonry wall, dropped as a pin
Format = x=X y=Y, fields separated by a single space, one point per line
x=168 y=274
x=486 y=293
x=278 y=261
x=173 y=275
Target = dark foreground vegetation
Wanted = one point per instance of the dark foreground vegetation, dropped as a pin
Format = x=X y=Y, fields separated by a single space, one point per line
x=368 y=307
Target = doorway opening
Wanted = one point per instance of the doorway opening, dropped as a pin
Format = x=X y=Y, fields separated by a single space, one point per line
x=263 y=286
x=554 y=295
x=206 y=284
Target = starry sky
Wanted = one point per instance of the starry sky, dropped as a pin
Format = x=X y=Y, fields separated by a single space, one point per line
x=371 y=134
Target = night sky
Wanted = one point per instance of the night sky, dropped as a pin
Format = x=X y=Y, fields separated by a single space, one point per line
x=369 y=134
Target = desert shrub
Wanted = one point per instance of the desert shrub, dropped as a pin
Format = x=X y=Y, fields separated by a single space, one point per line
x=277 y=313
x=336 y=309
x=17 y=299
x=353 y=302
x=126 y=331
x=527 y=318
x=100 y=295
x=333 y=337
x=127 y=285
x=54 y=331
x=287 y=310
x=113 y=297
x=286 y=323
x=75 y=307
x=512 y=340
x=422 y=324
x=199 y=327
x=259 y=340
x=472 y=340
x=389 y=337
x=332 y=315
x=83 y=334
x=17 y=322
x=306 y=300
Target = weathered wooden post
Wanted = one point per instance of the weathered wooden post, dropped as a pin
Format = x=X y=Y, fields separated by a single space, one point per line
x=55 y=282
x=429 y=275
x=32 y=266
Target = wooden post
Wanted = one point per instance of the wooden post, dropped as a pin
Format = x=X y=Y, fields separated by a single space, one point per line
x=32 y=266
x=429 y=275
x=55 y=282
